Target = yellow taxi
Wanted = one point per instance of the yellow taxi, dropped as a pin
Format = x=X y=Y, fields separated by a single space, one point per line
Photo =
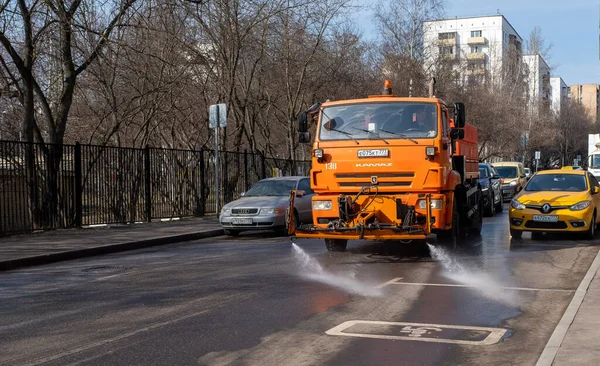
x=556 y=200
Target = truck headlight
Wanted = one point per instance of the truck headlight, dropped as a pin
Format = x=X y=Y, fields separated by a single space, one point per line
x=580 y=206
x=269 y=211
x=435 y=204
x=430 y=150
x=321 y=205
x=517 y=205
x=318 y=153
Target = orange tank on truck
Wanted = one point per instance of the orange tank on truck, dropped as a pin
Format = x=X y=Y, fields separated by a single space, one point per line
x=390 y=168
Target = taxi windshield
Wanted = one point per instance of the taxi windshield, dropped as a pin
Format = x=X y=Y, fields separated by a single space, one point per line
x=391 y=120
x=557 y=182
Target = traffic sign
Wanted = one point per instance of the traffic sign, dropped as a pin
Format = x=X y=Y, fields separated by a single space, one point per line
x=538 y=155
x=217 y=115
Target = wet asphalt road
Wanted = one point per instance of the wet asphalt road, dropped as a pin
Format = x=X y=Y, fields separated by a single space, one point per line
x=248 y=301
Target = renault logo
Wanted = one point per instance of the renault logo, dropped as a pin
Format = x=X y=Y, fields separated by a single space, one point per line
x=546 y=208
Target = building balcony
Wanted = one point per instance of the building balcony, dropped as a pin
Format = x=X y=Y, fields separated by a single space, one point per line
x=447 y=42
x=448 y=56
x=479 y=56
x=481 y=71
x=472 y=41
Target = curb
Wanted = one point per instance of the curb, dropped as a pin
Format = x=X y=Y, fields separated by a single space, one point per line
x=104 y=249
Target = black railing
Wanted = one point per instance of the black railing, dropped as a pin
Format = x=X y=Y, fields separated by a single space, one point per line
x=52 y=186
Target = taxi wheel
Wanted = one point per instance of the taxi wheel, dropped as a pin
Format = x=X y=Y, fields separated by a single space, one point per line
x=336 y=245
x=516 y=234
x=591 y=233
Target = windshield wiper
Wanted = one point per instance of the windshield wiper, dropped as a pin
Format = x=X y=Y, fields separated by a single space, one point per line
x=345 y=133
x=401 y=135
x=371 y=132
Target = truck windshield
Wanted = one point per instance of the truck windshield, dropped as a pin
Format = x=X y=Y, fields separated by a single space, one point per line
x=595 y=161
x=557 y=182
x=391 y=120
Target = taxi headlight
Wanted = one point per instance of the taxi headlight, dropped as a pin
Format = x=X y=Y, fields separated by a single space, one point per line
x=517 y=205
x=435 y=204
x=580 y=206
x=513 y=183
x=321 y=205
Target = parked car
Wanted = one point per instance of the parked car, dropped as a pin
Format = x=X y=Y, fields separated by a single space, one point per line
x=527 y=173
x=491 y=188
x=556 y=200
x=513 y=178
x=264 y=206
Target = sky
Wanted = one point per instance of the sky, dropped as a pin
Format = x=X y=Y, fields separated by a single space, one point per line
x=572 y=26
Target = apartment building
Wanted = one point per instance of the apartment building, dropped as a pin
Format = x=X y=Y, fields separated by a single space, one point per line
x=559 y=92
x=538 y=80
x=589 y=96
x=481 y=48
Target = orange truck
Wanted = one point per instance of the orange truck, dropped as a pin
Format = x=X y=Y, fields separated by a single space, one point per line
x=390 y=168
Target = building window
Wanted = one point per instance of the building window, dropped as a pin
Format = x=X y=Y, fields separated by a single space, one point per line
x=475 y=49
x=447 y=35
x=476 y=33
x=447 y=50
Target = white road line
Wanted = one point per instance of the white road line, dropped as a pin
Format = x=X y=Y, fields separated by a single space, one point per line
x=558 y=336
x=470 y=286
x=393 y=280
x=495 y=333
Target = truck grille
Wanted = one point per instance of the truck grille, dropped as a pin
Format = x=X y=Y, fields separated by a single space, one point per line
x=403 y=179
x=244 y=211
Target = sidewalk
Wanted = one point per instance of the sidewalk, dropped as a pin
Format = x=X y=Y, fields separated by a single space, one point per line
x=60 y=245
x=581 y=345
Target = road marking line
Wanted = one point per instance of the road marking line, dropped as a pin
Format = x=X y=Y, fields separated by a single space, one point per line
x=471 y=286
x=416 y=334
x=560 y=332
x=393 y=280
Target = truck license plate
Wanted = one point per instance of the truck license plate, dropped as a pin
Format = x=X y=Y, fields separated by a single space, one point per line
x=545 y=218
x=241 y=221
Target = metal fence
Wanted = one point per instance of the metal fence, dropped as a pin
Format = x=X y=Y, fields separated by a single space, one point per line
x=51 y=186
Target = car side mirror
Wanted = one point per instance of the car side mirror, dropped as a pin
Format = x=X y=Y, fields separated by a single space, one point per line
x=595 y=190
x=459 y=115
x=496 y=176
x=300 y=193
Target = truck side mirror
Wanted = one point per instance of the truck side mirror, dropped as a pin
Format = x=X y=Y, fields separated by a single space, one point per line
x=457 y=134
x=303 y=134
x=459 y=115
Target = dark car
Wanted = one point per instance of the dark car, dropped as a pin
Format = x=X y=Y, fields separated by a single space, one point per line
x=491 y=186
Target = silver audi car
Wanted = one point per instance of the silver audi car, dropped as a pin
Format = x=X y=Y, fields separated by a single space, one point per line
x=264 y=206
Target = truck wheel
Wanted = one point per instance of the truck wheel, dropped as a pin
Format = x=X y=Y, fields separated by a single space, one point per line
x=336 y=245
x=500 y=205
x=452 y=234
x=477 y=221
x=516 y=234
x=489 y=208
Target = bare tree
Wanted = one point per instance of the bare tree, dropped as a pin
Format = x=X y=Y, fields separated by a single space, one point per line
x=538 y=45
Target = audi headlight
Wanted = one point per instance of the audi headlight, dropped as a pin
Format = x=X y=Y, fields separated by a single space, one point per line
x=435 y=204
x=225 y=211
x=517 y=205
x=269 y=211
x=580 y=206
x=322 y=205
x=513 y=183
